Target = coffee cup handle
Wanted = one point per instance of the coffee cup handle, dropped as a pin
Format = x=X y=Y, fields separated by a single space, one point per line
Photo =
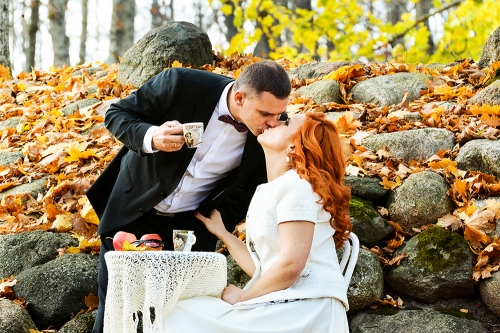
x=191 y=239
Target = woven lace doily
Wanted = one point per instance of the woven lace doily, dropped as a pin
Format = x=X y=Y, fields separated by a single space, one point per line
x=155 y=281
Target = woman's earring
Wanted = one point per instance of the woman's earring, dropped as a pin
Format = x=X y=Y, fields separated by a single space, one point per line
x=287 y=159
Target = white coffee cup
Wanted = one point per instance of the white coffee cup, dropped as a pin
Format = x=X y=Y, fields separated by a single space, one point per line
x=193 y=134
x=183 y=240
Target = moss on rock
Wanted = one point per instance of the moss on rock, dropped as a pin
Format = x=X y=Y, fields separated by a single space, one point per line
x=439 y=249
x=362 y=210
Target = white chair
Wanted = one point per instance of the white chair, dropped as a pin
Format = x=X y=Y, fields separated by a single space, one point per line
x=349 y=257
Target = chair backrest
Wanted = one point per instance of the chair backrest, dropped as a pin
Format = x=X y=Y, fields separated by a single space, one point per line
x=349 y=257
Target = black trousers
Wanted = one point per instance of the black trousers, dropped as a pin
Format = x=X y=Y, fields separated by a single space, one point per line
x=150 y=223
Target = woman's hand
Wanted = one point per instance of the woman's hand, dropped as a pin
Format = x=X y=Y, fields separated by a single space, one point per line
x=232 y=294
x=214 y=223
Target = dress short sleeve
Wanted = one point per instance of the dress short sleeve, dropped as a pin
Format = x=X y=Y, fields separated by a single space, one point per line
x=296 y=200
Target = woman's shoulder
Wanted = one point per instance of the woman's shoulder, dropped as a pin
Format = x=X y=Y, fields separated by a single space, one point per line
x=291 y=180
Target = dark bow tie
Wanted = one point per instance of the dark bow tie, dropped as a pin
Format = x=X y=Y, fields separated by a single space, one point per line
x=240 y=127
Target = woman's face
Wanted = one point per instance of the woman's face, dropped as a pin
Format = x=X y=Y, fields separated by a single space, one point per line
x=280 y=137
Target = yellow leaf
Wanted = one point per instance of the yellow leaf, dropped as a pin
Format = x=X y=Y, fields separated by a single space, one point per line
x=390 y=185
x=62 y=223
x=176 y=64
x=56 y=113
x=88 y=213
x=226 y=9
x=42 y=139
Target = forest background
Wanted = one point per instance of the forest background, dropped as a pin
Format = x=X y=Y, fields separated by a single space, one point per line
x=41 y=33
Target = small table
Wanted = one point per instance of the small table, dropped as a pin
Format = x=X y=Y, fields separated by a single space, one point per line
x=147 y=281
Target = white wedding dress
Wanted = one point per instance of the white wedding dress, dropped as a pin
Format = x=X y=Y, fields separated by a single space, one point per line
x=316 y=303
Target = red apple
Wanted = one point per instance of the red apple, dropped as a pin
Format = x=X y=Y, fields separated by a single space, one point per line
x=120 y=237
x=152 y=236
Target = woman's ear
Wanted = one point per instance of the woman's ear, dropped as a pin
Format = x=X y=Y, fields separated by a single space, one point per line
x=290 y=149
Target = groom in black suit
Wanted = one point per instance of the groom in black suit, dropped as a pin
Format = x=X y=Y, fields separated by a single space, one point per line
x=156 y=183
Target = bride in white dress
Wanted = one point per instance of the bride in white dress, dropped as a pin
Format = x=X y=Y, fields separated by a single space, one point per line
x=294 y=224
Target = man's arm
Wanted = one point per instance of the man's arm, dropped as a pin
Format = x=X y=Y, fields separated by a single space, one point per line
x=130 y=118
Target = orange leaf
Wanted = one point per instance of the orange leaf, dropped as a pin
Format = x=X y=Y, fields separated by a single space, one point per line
x=92 y=301
x=390 y=185
x=477 y=226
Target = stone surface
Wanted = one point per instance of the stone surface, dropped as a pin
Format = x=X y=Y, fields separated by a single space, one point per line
x=389 y=89
x=9 y=157
x=14 y=319
x=490 y=292
x=83 y=103
x=324 y=91
x=317 y=69
x=420 y=200
x=235 y=275
x=11 y=122
x=367 y=282
x=489 y=95
x=57 y=289
x=413 y=321
x=438 y=266
x=367 y=224
x=480 y=155
x=33 y=188
x=368 y=188
x=160 y=47
x=491 y=50
x=410 y=145
x=80 y=324
x=29 y=249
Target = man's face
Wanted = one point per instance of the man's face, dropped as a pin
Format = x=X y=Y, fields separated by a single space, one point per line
x=260 y=112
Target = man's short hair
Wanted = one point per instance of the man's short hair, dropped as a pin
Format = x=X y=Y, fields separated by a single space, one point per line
x=263 y=76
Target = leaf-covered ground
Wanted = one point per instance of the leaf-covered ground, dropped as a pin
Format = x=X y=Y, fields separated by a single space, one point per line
x=72 y=151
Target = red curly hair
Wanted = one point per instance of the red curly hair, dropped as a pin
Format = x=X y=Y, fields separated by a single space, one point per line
x=318 y=158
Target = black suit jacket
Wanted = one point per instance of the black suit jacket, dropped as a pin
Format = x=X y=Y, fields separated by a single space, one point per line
x=134 y=182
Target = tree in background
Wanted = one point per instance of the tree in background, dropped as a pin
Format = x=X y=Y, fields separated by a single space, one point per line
x=33 y=27
x=60 y=41
x=4 y=33
x=359 y=30
x=157 y=17
x=83 y=36
x=121 y=36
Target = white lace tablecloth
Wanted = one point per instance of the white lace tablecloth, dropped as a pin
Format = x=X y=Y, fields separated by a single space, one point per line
x=143 y=281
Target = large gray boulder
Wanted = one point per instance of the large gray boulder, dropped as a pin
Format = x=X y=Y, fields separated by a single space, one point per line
x=420 y=200
x=414 y=321
x=480 y=155
x=29 y=249
x=367 y=224
x=80 y=324
x=438 y=266
x=160 y=47
x=32 y=188
x=83 y=103
x=412 y=144
x=14 y=318
x=490 y=292
x=367 y=282
x=57 y=289
x=489 y=95
x=368 y=188
x=491 y=50
x=324 y=91
x=317 y=69
x=387 y=90
x=9 y=157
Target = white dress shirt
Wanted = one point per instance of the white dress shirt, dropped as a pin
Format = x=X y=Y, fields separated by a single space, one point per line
x=220 y=152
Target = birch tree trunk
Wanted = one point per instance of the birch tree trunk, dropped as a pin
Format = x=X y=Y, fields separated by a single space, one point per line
x=83 y=37
x=32 y=31
x=4 y=33
x=121 y=36
x=60 y=42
